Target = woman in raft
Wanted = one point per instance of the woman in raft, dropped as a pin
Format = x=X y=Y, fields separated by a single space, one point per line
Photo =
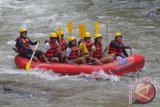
x=96 y=50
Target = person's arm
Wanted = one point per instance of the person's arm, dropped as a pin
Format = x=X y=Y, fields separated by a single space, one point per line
x=32 y=43
x=46 y=47
x=21 y=44
x=113 y=44
x=125 y=53
x=97 y=61
x=93 y=48
x=68 y=52
x=105 y=51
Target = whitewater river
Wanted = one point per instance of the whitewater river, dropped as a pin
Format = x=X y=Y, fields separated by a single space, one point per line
x=43 y=89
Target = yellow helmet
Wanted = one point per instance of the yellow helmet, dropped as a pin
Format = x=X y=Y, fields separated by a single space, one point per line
x=97 y=35
x=71 y=38
x=61 y=32
x=87 y=35
x=22 y=30
x=53 y=35
x=117 y=34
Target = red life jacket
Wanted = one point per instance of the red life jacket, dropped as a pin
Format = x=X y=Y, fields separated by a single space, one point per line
x=26 y=44
x=63 y=45
x=98 y=53
x=53 y=51
x=89 y=45
x=115 y=51
x=74 y=52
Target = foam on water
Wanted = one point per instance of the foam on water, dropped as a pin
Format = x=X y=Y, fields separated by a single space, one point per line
x=11 y=42
x=50 y=75
x=100 y=75
x=33 y=10
x=40 y=73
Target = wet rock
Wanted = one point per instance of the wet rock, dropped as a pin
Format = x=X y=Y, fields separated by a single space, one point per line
x=154 y=13
x=158 y=12
x=151 y=14
x=7 y=89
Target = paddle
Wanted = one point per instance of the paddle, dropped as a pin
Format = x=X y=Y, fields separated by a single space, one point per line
x=107 y=38
x=82 y=30
x=131 y=52
x=29 y=63
x=59 y=35
x=70 y=26
x=97 y=27
x=15 y=49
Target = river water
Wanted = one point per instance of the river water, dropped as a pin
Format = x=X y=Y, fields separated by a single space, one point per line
x=44 y=89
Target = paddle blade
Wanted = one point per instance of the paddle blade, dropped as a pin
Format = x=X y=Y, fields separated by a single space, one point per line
x=83 y=29
x=28 y=67
x=80 y=31
x=96 y=27
x=59 y=30
x=70 y=25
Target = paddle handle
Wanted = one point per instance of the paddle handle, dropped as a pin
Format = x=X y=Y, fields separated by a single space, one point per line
x=97 y=27
x=59 y=35
x=107 y=37
x=70 y=27
x=34 y=52
x=130 y=51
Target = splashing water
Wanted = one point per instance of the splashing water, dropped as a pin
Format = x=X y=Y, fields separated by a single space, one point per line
x=100 y=75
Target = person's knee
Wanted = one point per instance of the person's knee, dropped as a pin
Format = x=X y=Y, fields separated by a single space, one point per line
x=36 y=59
x=113 y=56
x=83 y=61
x=112 y=59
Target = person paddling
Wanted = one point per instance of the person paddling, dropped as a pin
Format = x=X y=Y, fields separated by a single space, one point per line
x=117 y=47
x=24 y=49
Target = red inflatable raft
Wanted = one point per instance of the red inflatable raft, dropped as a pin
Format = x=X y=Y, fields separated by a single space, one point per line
x=120 y=67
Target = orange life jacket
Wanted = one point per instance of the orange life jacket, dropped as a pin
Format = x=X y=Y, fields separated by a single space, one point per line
x=115 y=51
x=63 y=45
x=53 y=51
x=74 y=53
x=98 y=53
x=26 y=44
